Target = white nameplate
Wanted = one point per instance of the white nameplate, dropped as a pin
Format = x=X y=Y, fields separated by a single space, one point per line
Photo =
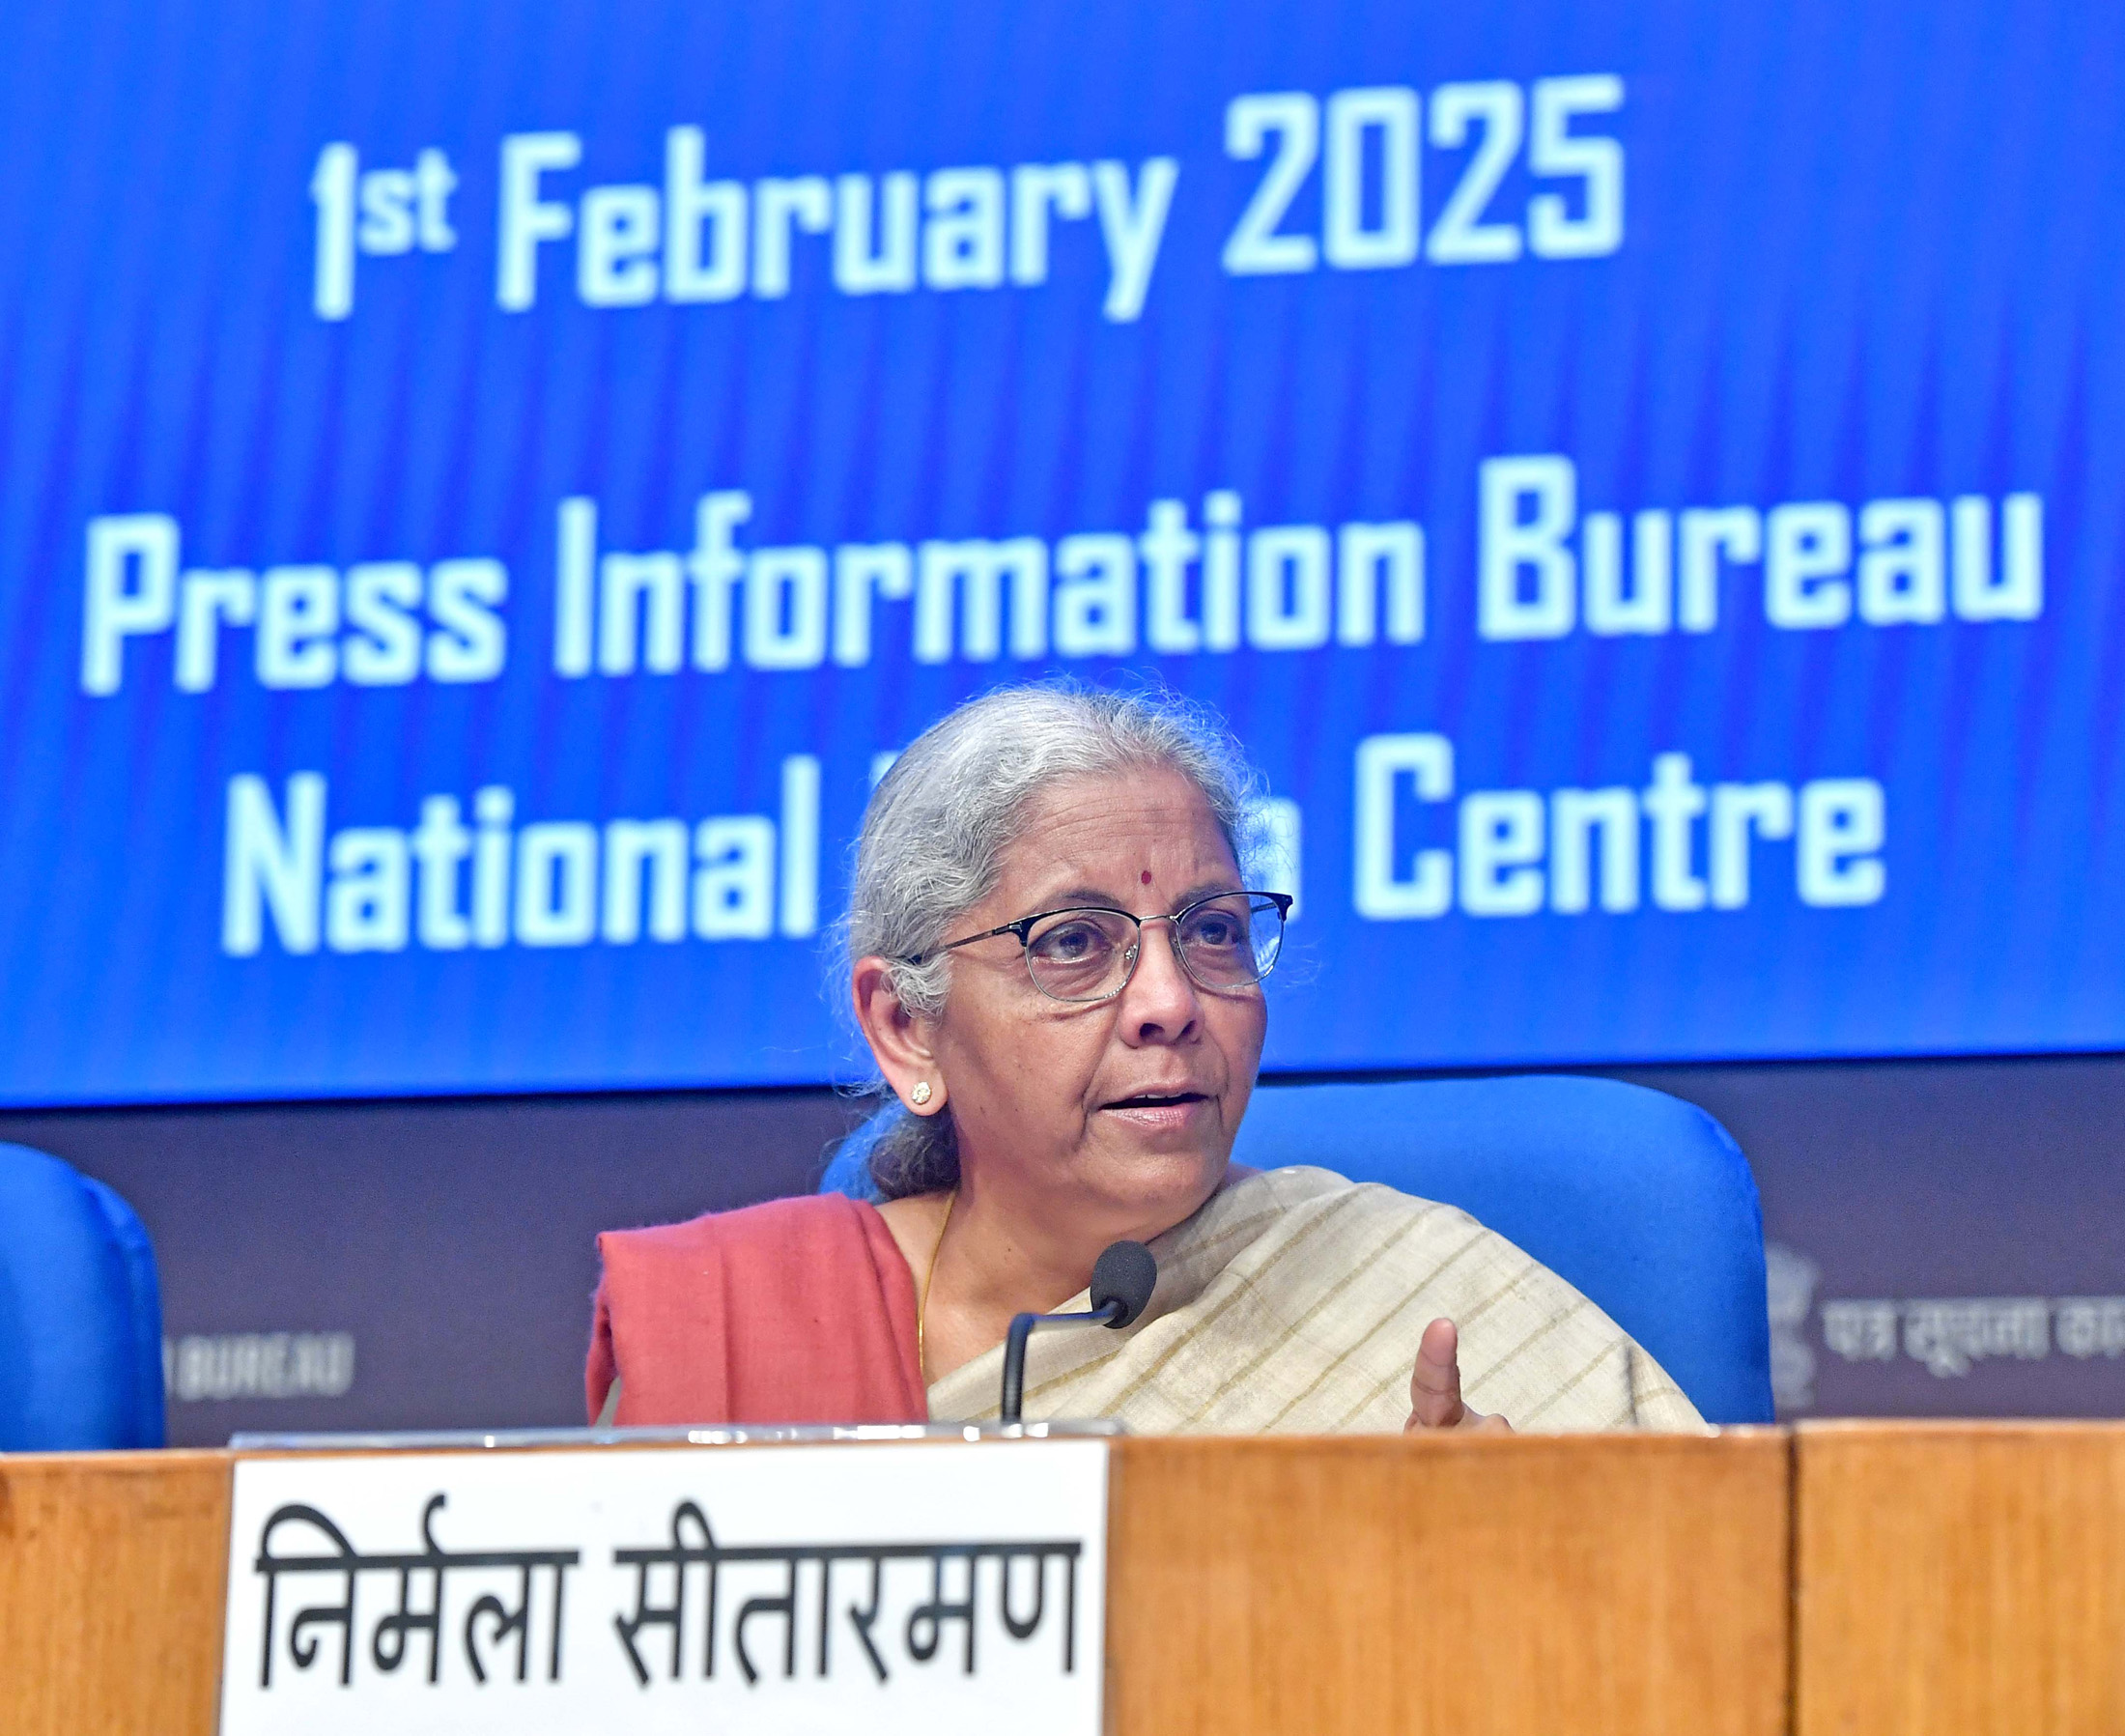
x=882 y=1588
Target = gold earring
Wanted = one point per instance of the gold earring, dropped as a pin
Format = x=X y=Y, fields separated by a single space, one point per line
x=920 y=1094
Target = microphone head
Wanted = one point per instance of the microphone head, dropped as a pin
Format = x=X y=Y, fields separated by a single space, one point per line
x=1124 y=1276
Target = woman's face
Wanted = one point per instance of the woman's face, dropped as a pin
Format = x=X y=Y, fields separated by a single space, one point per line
x=1125 y=1107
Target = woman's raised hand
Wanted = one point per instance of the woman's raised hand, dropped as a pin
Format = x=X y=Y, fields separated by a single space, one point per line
x=1435 y=1386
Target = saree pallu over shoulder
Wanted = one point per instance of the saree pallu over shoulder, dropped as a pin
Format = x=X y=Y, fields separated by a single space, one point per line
x=794 y=1310
x=1292 y=1302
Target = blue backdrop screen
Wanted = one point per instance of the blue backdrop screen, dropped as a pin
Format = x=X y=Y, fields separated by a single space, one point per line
x=482 y=489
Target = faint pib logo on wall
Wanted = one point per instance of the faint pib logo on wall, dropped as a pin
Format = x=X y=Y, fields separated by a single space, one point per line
x=202 y=1367
x=1948 y=1336
x=1790 y=1280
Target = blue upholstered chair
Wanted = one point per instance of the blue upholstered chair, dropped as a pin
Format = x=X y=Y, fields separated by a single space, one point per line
x=1640 y=1199
x=80 y=1313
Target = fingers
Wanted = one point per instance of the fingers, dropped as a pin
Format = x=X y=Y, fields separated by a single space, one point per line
x=1435 y=1384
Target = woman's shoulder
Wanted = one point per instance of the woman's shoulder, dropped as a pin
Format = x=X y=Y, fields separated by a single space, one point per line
x=1452 y=1255
x=1261 y=1219
x=786 y=1247
x=1533 y=1344
x=769 y=1226
x=1309 y=1193
x=792 y=1310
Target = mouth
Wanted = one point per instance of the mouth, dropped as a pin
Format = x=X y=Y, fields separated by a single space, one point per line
x=1158 y=1099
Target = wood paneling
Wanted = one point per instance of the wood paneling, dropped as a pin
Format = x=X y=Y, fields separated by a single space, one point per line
x=1960 y=1580
x=1546 y=1586
x=1948 y=1581
x=1550 y=1585
x=112 y=1568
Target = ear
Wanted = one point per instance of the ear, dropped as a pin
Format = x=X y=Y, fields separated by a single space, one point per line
x=898 y=1040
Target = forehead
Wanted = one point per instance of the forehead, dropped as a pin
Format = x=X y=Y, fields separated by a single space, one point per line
x=1107 y=833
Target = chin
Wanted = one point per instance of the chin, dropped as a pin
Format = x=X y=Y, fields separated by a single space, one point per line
x=1166 y=1185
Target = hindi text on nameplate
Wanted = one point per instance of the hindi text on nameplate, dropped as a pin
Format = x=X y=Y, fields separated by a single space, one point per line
x=785 y=1590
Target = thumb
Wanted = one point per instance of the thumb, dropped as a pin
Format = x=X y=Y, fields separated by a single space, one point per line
x=1435 y=1384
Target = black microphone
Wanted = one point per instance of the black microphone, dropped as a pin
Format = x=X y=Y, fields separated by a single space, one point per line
x=1122 y=1280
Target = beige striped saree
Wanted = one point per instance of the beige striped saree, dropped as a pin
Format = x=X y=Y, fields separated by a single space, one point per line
x=1292 y=1302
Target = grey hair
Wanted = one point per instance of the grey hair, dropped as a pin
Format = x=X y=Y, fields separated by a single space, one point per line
x=938 y=823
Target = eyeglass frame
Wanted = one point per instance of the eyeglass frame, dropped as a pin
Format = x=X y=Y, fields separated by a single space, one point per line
x=1022 y=931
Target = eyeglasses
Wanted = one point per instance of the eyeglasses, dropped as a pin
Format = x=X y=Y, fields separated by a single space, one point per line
x=1089 y=952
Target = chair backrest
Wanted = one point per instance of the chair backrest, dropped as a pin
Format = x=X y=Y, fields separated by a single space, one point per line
x=80 y=1313
x=1641 y=1200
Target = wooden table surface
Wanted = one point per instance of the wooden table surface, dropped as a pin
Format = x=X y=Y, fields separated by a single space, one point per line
x=1622 y=1585
x=1472 y=1585
x=112 y=1572
x=1960 y=1580
x=1853 y=1579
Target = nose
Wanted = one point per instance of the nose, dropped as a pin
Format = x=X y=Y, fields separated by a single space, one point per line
x=1160 y=1004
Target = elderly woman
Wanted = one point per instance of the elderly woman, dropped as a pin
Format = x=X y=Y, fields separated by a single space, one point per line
x=1057 y=960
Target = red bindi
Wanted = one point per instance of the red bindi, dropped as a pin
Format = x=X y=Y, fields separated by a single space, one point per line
x=1146 y=876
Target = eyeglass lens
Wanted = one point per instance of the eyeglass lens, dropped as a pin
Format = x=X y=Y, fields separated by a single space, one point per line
x=1086 y=954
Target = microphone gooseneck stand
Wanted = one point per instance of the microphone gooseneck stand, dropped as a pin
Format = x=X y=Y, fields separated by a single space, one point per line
x=1122 y=1280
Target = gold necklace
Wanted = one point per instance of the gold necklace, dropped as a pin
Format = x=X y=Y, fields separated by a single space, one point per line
x=921 y=1307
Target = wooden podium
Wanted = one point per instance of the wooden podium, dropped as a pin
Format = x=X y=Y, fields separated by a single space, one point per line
x=1837 y=1581
x=1960 y=1579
